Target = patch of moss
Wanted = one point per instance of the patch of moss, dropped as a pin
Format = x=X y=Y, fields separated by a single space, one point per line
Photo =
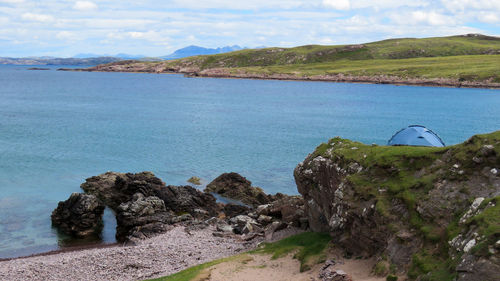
x=381 y=268
x=310 y=247
x=431 y=267
x=391 y=278
x=194 y=180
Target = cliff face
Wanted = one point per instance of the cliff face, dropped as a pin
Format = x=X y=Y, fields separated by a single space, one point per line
x=432 y=213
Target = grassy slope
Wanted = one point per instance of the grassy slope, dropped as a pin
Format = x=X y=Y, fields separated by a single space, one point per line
x=310 y=249
x=464 y=58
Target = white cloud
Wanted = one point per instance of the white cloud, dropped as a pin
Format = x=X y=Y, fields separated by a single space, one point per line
x=241 y=5
x=37 y=17
x=12 y=1
x=489 y=17
x=432 y=18
x=66 y=35
x=84 y=6
x=338 y=4
x=467 y=5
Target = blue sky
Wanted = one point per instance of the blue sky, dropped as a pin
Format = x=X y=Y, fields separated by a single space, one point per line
x=154 y=28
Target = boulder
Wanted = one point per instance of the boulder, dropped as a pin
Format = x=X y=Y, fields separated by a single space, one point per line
x=79 y=216
x=288 y=209
x=234 y=186
x=116 y=188
x=232 y=210
x=187 y=199
x=142 y=217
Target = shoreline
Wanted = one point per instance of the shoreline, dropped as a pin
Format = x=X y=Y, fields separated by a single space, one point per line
x=336 y=78
x=65 y=250
x=157 y=256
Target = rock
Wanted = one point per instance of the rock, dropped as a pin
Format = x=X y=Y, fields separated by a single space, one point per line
x=224 y=227
x=232 y=210
x=272 y=228
x=188 y=199
x=117 y=188
x=142 y=217
x=194 y=180
x=80 y=215
x=262 y=219
x=474 y=268
x=234 y=186
x=487 y=150
x=328 y=273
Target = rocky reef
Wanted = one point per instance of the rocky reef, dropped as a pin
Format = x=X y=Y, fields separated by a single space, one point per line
x=80 y=215
x=234 y=186
x=145 y=206
x=428 y=213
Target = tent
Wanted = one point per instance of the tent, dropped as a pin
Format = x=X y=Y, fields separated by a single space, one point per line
x=416 y=135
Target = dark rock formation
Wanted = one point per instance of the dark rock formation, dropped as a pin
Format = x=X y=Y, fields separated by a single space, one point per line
x=234 y=186
x=400 y=202
x=233 y=210
x=142 y=217
x=187 y=199
x=288 y=209
x=80 y=215
x=117 y=188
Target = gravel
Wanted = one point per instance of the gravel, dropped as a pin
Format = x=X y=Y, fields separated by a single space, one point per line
x=158 y=256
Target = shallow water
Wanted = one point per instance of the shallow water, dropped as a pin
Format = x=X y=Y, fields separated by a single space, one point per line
x=58 y=128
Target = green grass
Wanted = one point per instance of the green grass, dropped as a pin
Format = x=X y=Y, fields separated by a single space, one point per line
x=310 y=247
x=460 y=58
x=462 y=68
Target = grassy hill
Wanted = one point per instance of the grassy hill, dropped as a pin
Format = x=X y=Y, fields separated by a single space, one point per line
x=464 y=58
x=388 y=49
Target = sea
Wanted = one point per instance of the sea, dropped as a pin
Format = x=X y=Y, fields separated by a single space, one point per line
x=59 y=128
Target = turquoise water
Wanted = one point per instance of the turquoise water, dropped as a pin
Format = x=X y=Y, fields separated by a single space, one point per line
x=58 y=128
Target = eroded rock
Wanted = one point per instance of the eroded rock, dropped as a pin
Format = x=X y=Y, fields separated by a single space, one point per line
x=234 y=186
x=80 y=215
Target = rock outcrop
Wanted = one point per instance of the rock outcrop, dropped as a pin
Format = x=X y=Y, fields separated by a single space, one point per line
x=117 y=188
x=142 y=217
x=404 y=203
x=80 y=215
x=145 y=206
x=234 y=186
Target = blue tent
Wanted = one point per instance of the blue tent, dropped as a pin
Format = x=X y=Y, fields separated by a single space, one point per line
x=416 y=135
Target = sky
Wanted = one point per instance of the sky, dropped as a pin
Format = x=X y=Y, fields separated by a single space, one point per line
x=155 y=27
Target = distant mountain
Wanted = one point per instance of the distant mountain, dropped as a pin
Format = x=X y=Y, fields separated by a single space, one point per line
x=58 y=61
x=196 y=50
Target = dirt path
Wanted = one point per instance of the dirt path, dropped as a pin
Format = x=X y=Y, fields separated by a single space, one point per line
x=263 y=268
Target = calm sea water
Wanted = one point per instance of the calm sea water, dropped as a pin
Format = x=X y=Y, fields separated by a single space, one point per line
x=58 y=128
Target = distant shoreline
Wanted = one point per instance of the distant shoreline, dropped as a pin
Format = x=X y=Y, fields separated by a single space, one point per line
x=337 y=78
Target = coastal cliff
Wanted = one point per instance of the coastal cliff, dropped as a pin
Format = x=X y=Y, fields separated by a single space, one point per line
x=430 y=213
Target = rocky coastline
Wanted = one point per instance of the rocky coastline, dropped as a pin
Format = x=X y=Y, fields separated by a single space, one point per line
x=140 y=67
x=419 y=213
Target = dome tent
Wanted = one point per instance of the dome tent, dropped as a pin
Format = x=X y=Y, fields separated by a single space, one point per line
x=416 y=135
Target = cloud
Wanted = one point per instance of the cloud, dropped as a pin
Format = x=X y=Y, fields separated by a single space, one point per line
x=66 y=35
x=12 y=1
x=84 y=6
x=338 y=4
x=37 y=17
x=488 y=17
